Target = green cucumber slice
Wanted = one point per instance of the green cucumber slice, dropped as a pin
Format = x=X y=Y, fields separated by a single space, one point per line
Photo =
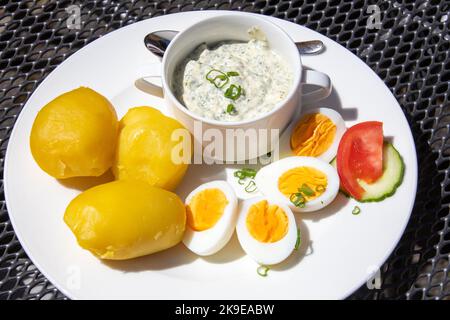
x=387 y=184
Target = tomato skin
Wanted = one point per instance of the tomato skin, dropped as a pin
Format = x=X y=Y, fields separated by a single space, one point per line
x=360 y=156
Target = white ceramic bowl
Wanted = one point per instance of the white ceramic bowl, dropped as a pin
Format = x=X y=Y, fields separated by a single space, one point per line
x=244 y=139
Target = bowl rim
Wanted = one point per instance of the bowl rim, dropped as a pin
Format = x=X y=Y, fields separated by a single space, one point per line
x=296 y=64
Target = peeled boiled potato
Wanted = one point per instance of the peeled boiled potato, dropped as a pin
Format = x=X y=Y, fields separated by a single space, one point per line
x=75 y=135
x=126 y=219
x=145 y=146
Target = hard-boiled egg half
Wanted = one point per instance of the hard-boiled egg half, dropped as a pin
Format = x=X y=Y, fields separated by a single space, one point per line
x=317 y=134
x=302 y=183
x=211 y=211
x=266 y=230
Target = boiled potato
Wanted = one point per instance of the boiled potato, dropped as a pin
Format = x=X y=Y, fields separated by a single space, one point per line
x=126 y=219
x=145 y=146
x=75 y=135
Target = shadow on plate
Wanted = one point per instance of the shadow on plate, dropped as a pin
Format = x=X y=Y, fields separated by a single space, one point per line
x=297 y=255
x=232 y=251
x=170 y=258
x=84 y=183
x=198 y=174
x=338 y=203
x=333 y=101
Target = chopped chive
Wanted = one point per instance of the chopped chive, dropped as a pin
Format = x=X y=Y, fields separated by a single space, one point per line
x=217 y=71
x=233 y=92
x=239 y=174
x=306 y=190
x=231 y=109
x=262 y=270
x=249 y=172
x=356 y=210
x=251 y=187
x=219 y=75
x=232 y=73
x=298 y=200
x=320 y=188
x=220 y=84
x=245 y=173
x=299 y=240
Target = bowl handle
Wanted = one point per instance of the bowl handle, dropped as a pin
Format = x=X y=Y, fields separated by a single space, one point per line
x=318 y=79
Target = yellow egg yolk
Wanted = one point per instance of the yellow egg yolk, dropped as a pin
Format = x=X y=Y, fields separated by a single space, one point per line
x=266 y=222
x=294 y=179
x=205 y=209
x=312 y=135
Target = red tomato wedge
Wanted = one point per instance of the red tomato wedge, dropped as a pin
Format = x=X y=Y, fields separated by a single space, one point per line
x=360 y=156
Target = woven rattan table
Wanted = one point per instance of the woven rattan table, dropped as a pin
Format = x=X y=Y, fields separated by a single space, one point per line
x=409 y=51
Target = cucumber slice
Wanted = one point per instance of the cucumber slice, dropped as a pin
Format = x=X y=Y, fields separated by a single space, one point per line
x=387 y=184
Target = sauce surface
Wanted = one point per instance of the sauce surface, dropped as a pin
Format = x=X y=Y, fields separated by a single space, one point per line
x=258 y=77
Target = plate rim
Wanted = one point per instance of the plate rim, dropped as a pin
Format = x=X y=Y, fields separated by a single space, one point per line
x=62 y=288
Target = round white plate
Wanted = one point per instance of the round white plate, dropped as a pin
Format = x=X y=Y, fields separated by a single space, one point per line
x=339 y=251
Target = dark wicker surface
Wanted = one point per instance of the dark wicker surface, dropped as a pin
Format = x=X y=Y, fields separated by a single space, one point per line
x=410 y=52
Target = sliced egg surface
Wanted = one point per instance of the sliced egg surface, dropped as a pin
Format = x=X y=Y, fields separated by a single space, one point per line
x=317 y=134
x=266 y=230
x=304 y=184
x=211 y=215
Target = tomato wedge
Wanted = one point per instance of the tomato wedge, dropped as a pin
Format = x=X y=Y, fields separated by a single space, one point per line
x=360 y=156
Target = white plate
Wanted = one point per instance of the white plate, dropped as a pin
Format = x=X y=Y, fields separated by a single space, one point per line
x=342 y=250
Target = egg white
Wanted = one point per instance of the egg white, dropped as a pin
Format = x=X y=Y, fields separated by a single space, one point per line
x=336 y=118
x=266 y=253
x=267 y=182
x=210 y=241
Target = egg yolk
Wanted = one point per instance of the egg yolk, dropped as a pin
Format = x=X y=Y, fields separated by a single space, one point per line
x=312 y=135
x=205 y=209
x=294 y=179
x=266 y=222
